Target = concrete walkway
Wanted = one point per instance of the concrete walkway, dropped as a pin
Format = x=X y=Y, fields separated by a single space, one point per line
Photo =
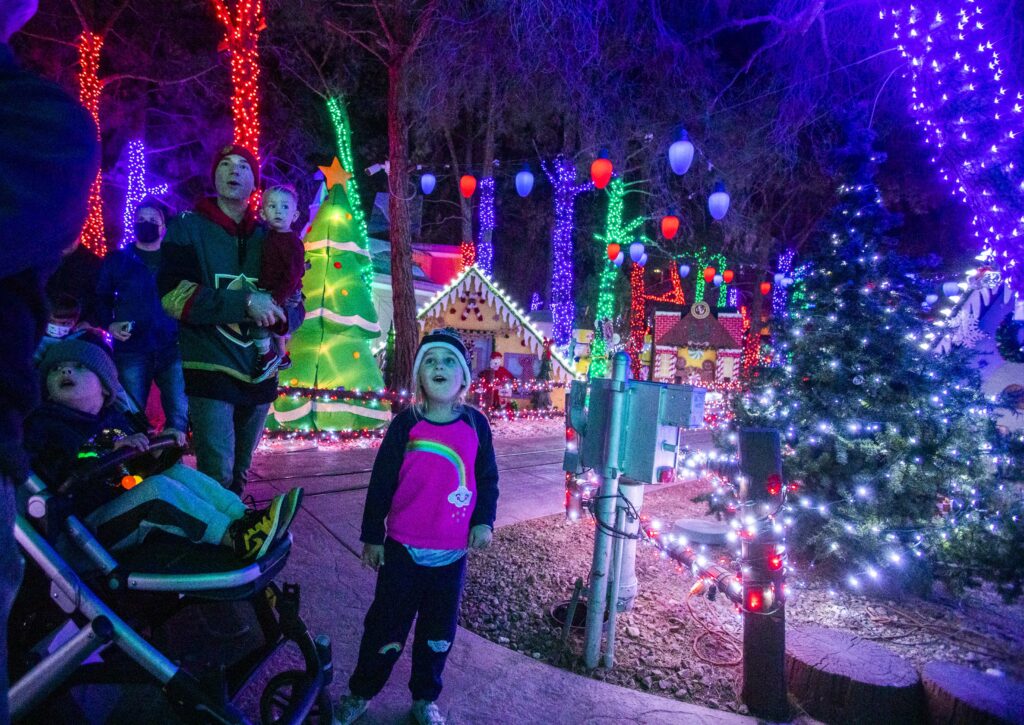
x=484 y=682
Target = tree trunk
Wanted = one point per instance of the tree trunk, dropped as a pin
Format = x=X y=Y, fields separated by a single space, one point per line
x=487 y=235
x=840 y=678
x=961 y=695
x=403 y=295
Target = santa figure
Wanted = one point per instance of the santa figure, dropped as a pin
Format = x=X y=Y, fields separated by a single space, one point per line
x=495 y=382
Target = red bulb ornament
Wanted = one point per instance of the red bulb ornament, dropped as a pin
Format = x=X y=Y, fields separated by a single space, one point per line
x=613 y=251
x=467 y=185
x=601 y=171
x=766 y=287
x=669 y=226
x=727 y=276
x=709 y=274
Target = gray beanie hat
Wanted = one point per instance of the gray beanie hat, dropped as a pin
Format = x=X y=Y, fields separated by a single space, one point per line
x=91 y=356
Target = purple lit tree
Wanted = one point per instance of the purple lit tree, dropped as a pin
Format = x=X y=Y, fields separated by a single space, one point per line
x=137 y=189
x=973 y=122
x=485 y=228
x=562 y=173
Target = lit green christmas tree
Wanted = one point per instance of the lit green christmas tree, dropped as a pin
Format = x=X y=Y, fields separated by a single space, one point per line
x=886 y=437
x=331 y=350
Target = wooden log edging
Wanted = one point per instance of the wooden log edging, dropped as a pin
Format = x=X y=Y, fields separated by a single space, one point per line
x=956 y=694
x=841 y=678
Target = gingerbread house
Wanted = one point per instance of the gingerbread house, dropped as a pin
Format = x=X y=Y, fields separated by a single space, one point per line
x=488 y=322
x=697 y=346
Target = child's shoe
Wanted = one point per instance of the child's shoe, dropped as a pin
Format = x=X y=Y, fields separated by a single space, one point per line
x=286 y=362
x=255 y=531
x=289 y=507
x=426 y=712
x=267 y=364
x=349 y=709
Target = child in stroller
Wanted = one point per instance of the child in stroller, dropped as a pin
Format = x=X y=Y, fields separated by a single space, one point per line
x=125 y=607
x=80 y=420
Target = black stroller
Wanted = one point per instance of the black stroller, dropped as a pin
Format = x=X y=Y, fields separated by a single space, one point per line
x=118 y=606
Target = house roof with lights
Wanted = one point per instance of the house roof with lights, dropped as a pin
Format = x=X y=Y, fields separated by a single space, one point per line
x=489 y=305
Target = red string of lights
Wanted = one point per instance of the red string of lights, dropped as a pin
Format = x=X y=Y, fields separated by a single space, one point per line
x=241 y=40
x=468 y=251
x=674 y=296
x=90 y=86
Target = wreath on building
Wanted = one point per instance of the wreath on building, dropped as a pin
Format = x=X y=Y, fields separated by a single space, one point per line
x=1008 y=339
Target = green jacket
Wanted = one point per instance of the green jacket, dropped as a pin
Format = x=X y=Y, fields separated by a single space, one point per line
x=209 y=266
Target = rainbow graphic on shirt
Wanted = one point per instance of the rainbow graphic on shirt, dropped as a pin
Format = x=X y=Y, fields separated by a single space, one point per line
x=461 y=496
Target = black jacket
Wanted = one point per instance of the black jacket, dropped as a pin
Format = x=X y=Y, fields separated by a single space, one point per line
x=127 y=291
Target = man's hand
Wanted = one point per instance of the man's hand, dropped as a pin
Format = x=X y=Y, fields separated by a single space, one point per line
x=179 y=436
x=373 y=555
x=480 y=536
x=120 y=331
x=262 y=310
x=138 y=441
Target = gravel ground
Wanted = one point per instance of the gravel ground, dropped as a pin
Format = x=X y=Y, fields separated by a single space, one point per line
x=687 y=647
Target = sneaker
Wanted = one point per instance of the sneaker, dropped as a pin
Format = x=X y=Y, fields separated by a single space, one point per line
x=286 y=362
x=289 y=507
x=267 y=364
x=349 y=709
x=426 y=712
x=255 y=531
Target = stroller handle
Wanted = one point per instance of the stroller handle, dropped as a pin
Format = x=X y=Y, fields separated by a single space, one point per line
x=113 y=460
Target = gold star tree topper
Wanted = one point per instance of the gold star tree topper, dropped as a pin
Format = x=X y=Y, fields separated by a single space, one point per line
x=336 y=174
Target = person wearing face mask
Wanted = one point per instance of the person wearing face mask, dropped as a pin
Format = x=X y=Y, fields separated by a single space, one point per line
x=145 y=337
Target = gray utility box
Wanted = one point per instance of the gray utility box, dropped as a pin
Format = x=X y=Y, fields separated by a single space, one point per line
x=653 y=413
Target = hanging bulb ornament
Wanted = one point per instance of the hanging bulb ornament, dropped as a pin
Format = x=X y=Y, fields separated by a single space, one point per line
x=613 y=251
x=709 y=274
x=766 y=288
x=717 y=280
x=684 y=269
x=524 y=181
x=619 y=259
x=680 y=154
x=601 y=170
x=669 y=224
x=727 y=276
x=636 y=250
x=718 y=202
x=643 y=260
x=467 y=185
x=427 y=183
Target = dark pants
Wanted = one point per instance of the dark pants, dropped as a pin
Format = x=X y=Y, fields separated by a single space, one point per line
x=406 y=590
x=224 y=437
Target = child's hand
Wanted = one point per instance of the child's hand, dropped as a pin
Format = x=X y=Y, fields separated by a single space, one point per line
x=373 y=555
x=138 y=441
x=480 y=536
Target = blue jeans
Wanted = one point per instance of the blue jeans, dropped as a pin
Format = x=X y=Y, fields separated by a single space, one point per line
x=224 y=437
x=139 y=370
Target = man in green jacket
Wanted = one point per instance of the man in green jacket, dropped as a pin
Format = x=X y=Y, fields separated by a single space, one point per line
x=207 y=281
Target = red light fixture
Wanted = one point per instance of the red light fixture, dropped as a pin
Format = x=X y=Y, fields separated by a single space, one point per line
x=766 y=288
x=775 y=562
x=755 y=600
x=774 y=484
x=601 y=170
x=727 y=276
x=467 y=185
x=709 y=274
x=669 y=225
x=613 y=251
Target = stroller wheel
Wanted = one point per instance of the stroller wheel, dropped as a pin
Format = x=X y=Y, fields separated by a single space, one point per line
x=277 y=696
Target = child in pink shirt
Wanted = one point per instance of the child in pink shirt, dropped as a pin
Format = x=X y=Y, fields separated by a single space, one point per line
x=433 y=495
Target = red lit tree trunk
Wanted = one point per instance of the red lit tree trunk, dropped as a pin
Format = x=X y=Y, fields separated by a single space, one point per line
x=241 y=41
x=637 y=318
x=90 y=45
